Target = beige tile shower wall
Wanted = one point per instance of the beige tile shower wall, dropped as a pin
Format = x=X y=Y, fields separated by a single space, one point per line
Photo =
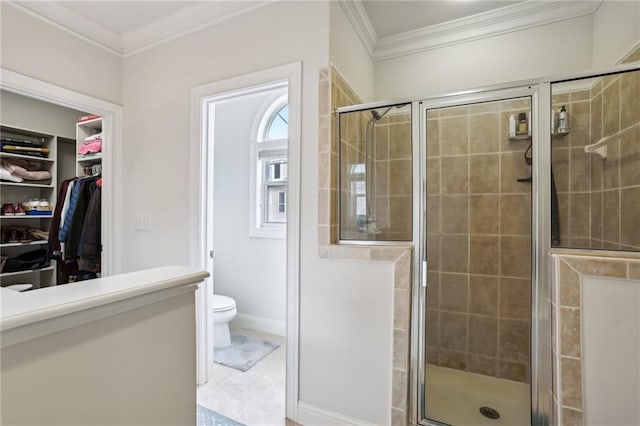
x=615 y=181
x=393 y=186
x=571 y=169
x=599 y=199
x=333 y=93
x=479 y=246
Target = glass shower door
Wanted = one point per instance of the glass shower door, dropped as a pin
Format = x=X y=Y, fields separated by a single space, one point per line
x=476 y=362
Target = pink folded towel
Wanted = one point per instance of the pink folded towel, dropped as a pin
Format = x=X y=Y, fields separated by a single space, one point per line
x=91 y=147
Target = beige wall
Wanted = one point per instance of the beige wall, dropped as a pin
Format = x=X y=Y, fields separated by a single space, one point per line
x=478 y=241
x=599 y=199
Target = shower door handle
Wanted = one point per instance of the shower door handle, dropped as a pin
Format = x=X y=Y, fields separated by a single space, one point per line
x=424 y=273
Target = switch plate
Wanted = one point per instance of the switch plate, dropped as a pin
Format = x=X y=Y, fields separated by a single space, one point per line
x=142 y=222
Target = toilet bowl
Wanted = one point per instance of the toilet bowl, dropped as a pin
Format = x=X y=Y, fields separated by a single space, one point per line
x=224 y=310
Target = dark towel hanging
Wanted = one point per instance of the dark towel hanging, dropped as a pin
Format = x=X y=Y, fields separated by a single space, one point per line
x=555 y=211
x=555 y=214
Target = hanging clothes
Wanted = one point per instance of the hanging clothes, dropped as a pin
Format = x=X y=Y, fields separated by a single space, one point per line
x=75 y=233
x=76 y=224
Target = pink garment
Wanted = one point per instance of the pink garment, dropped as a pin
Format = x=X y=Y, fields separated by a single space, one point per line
x=91 y=147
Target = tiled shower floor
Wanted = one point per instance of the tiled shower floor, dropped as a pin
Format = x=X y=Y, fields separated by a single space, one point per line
x=255 y=397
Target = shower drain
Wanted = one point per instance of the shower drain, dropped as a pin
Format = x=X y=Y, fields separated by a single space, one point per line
x=489 y=413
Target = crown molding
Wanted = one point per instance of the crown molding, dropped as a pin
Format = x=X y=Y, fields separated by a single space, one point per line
x=70 y=22
x=180 y=24
x=361 y=23
x=507 y=19
x=185 y=22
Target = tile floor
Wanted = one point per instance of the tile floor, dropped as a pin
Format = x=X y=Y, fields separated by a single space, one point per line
x=255 y=397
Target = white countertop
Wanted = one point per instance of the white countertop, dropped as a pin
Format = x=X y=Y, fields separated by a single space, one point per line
x=43 y=306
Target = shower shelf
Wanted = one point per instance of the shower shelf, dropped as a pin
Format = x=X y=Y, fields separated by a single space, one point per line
x=528 y=137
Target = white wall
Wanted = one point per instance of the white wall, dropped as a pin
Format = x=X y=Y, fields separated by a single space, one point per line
x=611 y=345
x=252 y=270
x=32 y=114
x=616 y=31
x=34 y=48
x=557 y=48
x=134 y=368
x=345 y=308
x=348 y=55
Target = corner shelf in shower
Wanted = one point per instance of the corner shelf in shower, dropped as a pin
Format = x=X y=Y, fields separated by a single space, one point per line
x=528 y=136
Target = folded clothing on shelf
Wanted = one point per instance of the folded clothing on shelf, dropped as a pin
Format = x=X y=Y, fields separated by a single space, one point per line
x=6 y=175
x=24 y=150
x=34 y=259
x=91 y=145
x=25 y=170
x=39 y=143
x=87 y=117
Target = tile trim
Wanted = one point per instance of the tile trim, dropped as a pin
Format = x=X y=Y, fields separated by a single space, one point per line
x=624 y=267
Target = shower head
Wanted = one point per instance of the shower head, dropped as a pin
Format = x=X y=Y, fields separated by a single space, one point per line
x=377 y=116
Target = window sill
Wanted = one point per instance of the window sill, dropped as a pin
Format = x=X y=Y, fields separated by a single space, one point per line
x=279 y=234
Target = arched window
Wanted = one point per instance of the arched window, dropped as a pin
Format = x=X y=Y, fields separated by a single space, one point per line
x=271 y=169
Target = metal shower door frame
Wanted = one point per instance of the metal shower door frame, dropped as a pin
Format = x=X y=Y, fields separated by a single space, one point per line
x=540 y=94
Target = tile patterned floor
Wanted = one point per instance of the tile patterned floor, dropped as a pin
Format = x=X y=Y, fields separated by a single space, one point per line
x=255 y=397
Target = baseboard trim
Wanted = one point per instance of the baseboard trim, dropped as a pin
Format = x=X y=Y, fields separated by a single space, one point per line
x=260 y=324
x=308 y=415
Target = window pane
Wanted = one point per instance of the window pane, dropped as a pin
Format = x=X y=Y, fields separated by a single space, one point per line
x=279 y=126
x=276 y=171
x=276 y=204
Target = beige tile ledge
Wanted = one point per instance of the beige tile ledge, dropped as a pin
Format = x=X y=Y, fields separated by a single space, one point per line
x=369 y=253
x=627 y=255
x=621 y=266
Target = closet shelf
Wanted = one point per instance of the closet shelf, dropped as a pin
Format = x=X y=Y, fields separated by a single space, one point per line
x=30 y=243
x=33 y=185
x=29 y=271
x=90 y=157
x=28 y=216
x=26 y=157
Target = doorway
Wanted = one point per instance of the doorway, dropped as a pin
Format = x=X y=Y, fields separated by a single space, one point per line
x=111 y=114
x=246 y=154
x=476 y=323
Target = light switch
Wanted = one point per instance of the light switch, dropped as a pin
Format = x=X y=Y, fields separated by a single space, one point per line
x=142 y=222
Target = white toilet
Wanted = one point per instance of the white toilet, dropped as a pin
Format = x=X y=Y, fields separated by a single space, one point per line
x=224 y=310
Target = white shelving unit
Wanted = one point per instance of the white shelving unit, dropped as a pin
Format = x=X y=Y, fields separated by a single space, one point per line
x=17 y=193
x=85 y=129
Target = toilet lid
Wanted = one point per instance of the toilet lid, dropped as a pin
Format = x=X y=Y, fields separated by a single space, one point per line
x=222 y=303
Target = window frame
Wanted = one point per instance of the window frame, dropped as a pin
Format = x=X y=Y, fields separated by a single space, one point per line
x=262 y=152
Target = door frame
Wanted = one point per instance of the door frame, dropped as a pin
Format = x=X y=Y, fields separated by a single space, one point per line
x=112 y=159
x=200 y=96
x=540 y=407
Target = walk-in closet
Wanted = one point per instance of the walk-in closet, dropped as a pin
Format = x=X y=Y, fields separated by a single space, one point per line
x=51 y=181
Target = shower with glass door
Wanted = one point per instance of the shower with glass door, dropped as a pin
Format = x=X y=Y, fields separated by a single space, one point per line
x=476 y=239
